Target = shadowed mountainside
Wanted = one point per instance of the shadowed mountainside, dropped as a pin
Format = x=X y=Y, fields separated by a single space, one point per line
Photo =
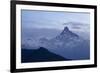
x=40 y=55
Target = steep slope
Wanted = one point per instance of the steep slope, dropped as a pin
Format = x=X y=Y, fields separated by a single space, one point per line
x=68 y=45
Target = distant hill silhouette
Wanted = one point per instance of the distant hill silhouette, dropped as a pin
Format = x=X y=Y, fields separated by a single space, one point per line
x=39 y=55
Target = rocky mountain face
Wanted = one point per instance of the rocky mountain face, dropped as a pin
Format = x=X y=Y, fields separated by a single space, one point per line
x=68 y=45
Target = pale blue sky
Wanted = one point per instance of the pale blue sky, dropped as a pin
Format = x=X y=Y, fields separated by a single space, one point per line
x=51 y=19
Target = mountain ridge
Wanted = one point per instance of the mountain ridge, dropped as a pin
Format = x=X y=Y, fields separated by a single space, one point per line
x=66 y=44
